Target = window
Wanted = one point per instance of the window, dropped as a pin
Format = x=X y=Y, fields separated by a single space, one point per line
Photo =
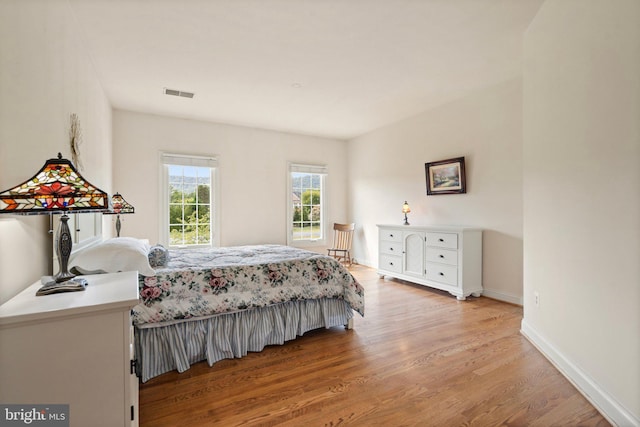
x=306 y=207
x=188 y=196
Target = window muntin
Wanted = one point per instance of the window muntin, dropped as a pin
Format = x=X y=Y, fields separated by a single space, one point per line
x=307 y=206
x=189 y=195
x=189 y=205
x=306 y=210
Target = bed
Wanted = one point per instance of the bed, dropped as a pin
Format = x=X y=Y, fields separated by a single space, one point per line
x=221 y=303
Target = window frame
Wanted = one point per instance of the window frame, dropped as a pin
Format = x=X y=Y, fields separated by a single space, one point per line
x=323 y=171
x=211 y=162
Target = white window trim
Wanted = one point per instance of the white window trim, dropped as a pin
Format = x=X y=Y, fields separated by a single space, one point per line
x=188 y=160
x=307 y=168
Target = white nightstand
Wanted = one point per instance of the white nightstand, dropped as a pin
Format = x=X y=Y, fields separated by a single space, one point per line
x=73 y=348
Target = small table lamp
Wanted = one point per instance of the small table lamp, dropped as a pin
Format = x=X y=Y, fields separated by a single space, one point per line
x=56 y=188
x=119 y=206
x=405 y=210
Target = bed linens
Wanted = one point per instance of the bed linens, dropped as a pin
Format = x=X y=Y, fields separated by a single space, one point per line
x=202 y=282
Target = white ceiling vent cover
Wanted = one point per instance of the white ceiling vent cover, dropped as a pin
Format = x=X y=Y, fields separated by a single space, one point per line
x=178 y=93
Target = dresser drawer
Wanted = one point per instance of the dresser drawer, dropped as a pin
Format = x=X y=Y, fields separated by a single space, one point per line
x=442 y=240
x=390 y=263
x=444 y=256
x=391 y=248
x=391 y=236
x=442 y=273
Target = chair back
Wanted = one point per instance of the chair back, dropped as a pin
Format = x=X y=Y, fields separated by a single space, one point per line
x=343 y=236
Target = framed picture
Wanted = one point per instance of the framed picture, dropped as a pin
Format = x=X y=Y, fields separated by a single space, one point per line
x=446 y=177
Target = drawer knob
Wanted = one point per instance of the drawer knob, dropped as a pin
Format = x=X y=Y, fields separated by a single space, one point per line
x=390 y=235
x=441 y=273
x=390 y=263
x=391 y=249
x=441 y=240
x=441 y=256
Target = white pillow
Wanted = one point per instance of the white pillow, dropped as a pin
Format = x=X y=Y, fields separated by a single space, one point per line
x=113 y=255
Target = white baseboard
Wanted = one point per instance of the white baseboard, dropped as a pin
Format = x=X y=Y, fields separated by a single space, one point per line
x=364 y=262
x=486 y=292
x=608 y=406
x=502 y=297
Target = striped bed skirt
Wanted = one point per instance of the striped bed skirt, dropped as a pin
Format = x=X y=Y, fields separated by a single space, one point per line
x=176 y=345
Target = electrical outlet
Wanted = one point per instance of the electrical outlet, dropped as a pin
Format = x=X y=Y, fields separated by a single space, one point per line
x=536 y=298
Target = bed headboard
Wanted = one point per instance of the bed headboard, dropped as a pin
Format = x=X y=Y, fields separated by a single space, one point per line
x=86 y=230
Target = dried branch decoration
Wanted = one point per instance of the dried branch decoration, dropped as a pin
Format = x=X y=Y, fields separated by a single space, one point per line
x=75 y=135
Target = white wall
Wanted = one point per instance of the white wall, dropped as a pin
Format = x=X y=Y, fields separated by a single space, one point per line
x=252 y=173
x=386 y=167
x=582 y=196
x=45 y=76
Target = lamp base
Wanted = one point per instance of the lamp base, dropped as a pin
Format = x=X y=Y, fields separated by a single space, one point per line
x=406 y=222
x=64 y=276
x=64 y=244
x=53 y=287
x=118 y=226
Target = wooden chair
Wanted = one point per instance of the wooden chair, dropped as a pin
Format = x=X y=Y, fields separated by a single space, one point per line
x=342 y=238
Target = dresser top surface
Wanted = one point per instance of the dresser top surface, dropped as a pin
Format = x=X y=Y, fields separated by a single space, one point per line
x=429 y=227
x=112 y=291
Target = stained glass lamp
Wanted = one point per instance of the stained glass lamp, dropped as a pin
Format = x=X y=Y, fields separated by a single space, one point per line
x=56 y=188
x=119 y=206
x=405 y=210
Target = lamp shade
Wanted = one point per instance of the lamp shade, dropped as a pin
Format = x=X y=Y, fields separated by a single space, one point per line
x=57 y=187
x=120 y=206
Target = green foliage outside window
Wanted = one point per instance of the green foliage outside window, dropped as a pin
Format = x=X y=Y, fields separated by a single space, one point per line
x=307 y=212
x=189 y=214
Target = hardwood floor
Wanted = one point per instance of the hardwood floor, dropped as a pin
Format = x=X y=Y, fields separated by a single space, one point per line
x=419 y=357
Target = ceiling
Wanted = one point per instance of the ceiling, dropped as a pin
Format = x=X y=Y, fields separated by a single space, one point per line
x=332 y=68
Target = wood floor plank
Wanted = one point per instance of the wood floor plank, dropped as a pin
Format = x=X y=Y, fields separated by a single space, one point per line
x=419 y=357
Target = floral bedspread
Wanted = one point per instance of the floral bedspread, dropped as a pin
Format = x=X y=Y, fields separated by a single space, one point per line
x=202 y=282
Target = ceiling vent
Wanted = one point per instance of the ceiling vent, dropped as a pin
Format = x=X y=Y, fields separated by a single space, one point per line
x=178 y=93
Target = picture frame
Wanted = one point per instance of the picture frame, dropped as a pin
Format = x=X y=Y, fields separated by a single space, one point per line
x=446 y=177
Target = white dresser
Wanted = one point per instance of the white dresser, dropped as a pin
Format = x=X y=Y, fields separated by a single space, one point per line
x=446 y=258
x=73 y=348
